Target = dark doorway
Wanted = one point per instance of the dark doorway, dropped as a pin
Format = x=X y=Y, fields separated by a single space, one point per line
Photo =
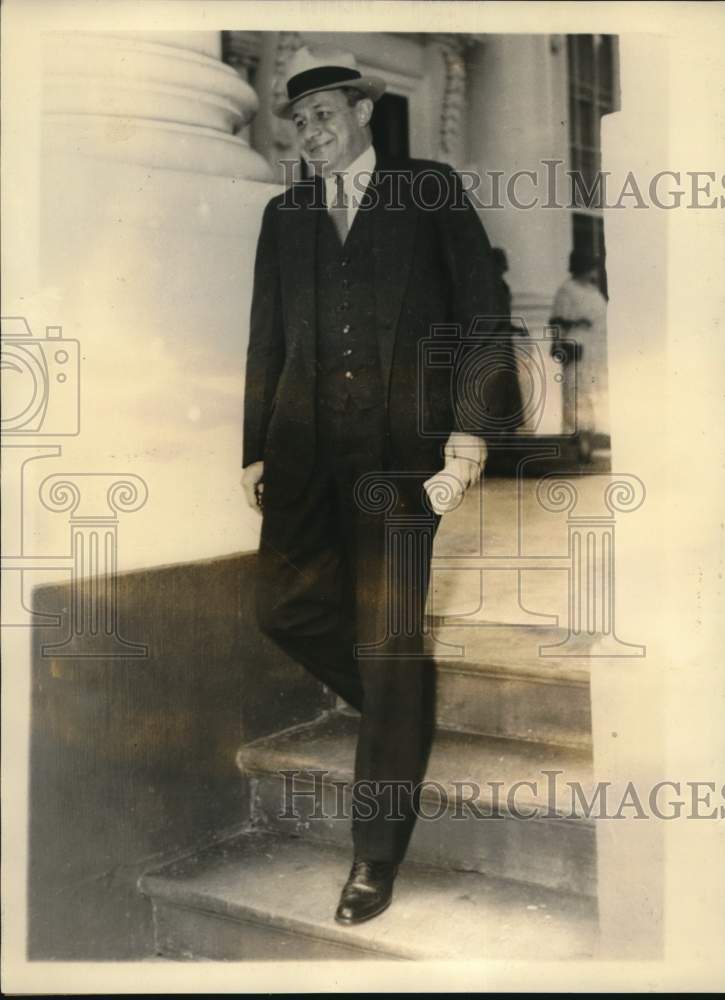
x=588 y=235
x=390 y=127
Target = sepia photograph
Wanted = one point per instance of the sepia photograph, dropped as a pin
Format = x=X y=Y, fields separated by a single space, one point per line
x=362 y=557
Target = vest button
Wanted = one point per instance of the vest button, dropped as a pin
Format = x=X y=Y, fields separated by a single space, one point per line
x=346 y=328
x=344 y=262
x=349 y=375
x=347 y=353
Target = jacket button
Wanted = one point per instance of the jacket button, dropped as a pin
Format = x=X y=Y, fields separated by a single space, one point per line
x=349 y=375
x=344 y=262
x=346 y=328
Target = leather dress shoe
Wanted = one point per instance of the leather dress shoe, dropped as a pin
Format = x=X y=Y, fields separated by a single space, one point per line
x=367 y=892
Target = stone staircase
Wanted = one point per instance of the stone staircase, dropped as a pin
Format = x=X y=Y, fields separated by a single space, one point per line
x=479 y=880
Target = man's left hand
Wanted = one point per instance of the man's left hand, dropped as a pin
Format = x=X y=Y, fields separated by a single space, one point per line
x=465 y=458
x=471 y=450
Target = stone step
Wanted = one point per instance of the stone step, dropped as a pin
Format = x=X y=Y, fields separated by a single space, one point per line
x=525 y=651
x=475 y=829
x=504 y=681
x=265 y=897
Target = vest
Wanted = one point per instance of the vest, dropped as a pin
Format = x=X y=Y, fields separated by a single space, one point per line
x=348 y=364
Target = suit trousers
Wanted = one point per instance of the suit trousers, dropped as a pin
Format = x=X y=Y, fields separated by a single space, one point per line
x=343 y=580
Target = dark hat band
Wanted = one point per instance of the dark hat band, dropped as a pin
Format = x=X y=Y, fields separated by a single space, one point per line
x=317 y=78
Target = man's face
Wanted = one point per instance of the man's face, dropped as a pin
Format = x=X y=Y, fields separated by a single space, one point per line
x=331 y=133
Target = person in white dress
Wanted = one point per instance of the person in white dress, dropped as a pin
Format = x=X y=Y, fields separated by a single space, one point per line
x=580 y=314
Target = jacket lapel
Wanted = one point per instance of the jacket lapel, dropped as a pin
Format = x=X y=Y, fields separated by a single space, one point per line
x=393 y=241
x=297 y=240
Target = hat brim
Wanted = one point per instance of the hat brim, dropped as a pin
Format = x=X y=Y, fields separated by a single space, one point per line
x=371 y=86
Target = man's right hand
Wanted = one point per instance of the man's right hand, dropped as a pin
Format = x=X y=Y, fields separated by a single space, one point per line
x=253 y=486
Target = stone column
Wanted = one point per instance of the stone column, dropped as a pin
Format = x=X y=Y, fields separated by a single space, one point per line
x=276 y=136
x=637 y=716
x=518 y=112
x=162 y=99
x=151 y=201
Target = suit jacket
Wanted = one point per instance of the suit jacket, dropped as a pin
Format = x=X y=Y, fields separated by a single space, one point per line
x=432 y=268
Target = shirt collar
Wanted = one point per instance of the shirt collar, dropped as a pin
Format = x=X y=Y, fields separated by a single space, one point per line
x=364 y=164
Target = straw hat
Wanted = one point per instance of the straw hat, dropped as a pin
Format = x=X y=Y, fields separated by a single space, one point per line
x=325 y=69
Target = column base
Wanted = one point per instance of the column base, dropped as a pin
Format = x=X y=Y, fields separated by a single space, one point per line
x=160 y=145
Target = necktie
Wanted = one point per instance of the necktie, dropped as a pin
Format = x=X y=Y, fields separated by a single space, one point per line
x=338 y=210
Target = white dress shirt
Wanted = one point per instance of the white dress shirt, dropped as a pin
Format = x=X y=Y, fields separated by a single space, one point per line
x=355 y=180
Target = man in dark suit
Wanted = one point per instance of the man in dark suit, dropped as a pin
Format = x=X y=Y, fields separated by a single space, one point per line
x=346 y=426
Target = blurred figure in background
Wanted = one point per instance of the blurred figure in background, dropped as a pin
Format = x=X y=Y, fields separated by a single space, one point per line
x=508 y=373
x=580 y=313
x=502 y=294
x=501 y=290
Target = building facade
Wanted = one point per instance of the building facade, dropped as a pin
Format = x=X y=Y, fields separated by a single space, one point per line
x=159 y=151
